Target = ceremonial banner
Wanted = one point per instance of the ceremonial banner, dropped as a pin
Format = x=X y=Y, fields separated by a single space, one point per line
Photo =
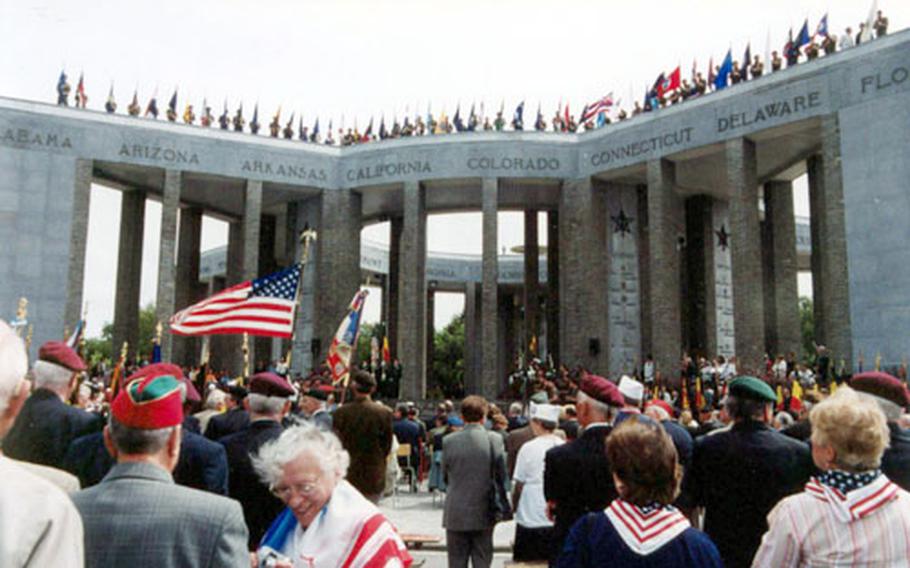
x=345 y=340
x=264 y=306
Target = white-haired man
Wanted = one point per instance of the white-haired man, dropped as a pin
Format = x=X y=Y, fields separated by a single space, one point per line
x=47 y=424
x=39 y=526
x=267 y=403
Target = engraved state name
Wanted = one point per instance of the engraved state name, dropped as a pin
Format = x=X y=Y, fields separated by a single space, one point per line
x=775 y=109
x=27 y=137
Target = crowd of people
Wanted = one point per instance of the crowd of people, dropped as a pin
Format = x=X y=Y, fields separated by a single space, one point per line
x=668 y=89
x=163 y=470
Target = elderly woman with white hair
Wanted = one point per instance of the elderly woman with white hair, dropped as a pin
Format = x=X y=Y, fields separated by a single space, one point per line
x=851 y=514
x=327 y=522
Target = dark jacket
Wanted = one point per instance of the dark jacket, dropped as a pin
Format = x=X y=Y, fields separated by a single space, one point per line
x=260 y=507
x=365 y=430
x=578 y=478
x=45 y=428
x=738 y=476
x=202 y=463
x=896 y=461
x=221 y=425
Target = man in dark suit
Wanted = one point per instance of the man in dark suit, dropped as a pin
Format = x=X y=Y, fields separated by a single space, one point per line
x=467 y=469
x=267 y=403
x=739 y=475
x=234 y=420
x=47 y=425
x=406 y=432
x=137 y=515
x=365 y=430
x=577 y=476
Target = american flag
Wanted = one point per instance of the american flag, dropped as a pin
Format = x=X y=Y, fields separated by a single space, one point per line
x=597 y=106
x=264 y=306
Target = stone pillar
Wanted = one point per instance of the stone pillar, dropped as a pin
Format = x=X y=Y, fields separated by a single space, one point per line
x=489 y=295
x=431 y=335
x=184 y=350
x=700 y=309
x=531 y=296
x=396 y=226
x=82 y=194
x=781 y=223
x=167 y=250
x=338 y=260
x=583 y=261
x=471 y=382
x=412 y=285
x=129 y=272
x=666 y=228
x=553 y=330
x=252 y=224
x=745 y=249
x=830 y=283
x=305 y=215
x=644 y=271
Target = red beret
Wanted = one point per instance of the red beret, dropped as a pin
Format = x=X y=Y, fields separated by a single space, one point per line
x=59 y=353
x=149 y=403
x=883 y=386
x=661 y=404
x=270 y=384
x=602 y=390
x=192 y=395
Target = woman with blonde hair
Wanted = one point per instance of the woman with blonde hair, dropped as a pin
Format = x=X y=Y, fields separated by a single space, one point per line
x=851 y=514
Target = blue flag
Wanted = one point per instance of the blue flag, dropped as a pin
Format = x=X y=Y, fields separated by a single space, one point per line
x=156 y=352
x=456 y=121
x=726 y=67
x=822 y=29
x=519 y=113
x=173 y=103
x=744 y=70
x=803 y=38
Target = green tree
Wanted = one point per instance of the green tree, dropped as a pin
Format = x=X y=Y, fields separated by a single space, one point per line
x=367 y=330
x=103 y=348
x=448 y=356
x=807 y=328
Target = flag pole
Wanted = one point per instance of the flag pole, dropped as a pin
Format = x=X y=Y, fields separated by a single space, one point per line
x=307 y=236
x=246 y=356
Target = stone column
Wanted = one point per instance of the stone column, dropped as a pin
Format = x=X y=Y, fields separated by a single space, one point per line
x=471 y=381
x=188 y=290
x=531 y=296
x=666 y=227
x=129 y=272
x=252 y=233
x=489 y=295
x=412 y=285
x=338 y=260
x=167 y=250
x=553 y=330
x=830 y=283
x=431 y=335
x=745 y=248
x=701 y=310
x=305 y=215
x=781 y=223
x=644 y=274
x=396 y=226
x=82 y=194
x=583 y=274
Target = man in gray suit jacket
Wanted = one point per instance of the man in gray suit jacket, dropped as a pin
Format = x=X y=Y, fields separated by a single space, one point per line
x=466 y=464
x=137 y=516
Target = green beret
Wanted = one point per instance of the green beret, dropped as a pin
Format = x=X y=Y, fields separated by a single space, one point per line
x=752 y=387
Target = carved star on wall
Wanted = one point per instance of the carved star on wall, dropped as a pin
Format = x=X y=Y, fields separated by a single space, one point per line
x=622 y=223
x=723 y=237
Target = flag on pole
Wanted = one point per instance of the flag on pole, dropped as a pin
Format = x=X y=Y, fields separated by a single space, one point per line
x=720 y=82
x=797 y=391
x=803 y=37
x=264 y=306
x=73 y=340
x=593 y=109
x=345 y=340
x=711 y=75
x=822 y=29
x=81 y=98
x=386 y=352
x=747 y=56
x=870 y=23
x=671 y=83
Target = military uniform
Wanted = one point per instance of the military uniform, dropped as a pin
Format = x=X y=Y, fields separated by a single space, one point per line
x=221 y=425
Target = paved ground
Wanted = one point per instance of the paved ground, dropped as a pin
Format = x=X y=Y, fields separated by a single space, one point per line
x=416 y=513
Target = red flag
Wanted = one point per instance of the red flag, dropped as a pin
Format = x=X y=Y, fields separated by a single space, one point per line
x=671 y=83
x=386 y=352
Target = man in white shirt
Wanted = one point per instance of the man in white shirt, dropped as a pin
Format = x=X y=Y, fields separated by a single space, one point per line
x=39 y=526
x=533 y=530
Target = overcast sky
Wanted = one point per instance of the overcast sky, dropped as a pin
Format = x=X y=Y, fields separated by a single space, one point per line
x=353 y=59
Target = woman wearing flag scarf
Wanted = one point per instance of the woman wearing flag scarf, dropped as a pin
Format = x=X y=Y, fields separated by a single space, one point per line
x=327 y=522
x=851 y=514
x=641 y=527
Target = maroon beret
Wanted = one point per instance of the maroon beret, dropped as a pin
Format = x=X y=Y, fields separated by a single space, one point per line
x=192 y=395
x=602 y=390
x=270 y=384
x=59 y=353
x=883 y=386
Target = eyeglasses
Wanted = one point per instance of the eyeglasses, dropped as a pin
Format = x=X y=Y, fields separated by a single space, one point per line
x=285 y=492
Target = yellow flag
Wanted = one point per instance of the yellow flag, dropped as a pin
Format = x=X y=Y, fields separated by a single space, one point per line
x=797 y=390
x=780 y=394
